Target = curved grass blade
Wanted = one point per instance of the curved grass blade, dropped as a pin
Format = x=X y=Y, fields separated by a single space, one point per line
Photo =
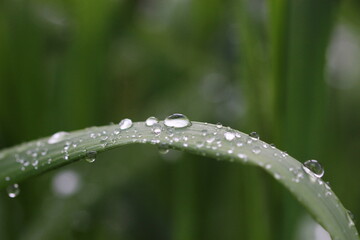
x=32 y=158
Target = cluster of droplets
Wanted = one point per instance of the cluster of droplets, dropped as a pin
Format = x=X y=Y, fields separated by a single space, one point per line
x=220 y=140
x=31 y=157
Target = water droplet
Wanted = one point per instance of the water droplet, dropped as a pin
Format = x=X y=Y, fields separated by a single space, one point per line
x=256 y=150
x=239 y=144
x=151 y=121
x=254 y=135
x=243 y=156
x=35 y=162
x=277 y=176
x=351 y=218
x=163 y=149
x=13 y=190
x=90 y=156
x=204 y=132
x=177 y=120
x=126 y=123
x=199 y=144
x=57 y=137
x=314 y=167
x=229 y=136
x=210 y=139
x=156 y=129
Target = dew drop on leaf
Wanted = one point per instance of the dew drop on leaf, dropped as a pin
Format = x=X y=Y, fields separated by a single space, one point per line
x=126 y=123
x=351 y=218
x=90 y=156
x=13 y=190
x=151 y=121
x=177 y=120
x=163 y=149
x=243 y=156
x=313 y=167
x=229 y=136
x=256 y=150
x=156 y=128
x=57 y=137
x=254 y=135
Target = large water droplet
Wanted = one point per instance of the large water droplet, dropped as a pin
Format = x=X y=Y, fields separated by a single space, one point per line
x=314 y=167
x=177 y=120
x=229 y=136
x=57 y=137
x=126 y=123
x=90 y=156
x=13 y=190
x=151 y=121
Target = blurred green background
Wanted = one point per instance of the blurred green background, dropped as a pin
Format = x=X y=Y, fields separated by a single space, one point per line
x=288 y=70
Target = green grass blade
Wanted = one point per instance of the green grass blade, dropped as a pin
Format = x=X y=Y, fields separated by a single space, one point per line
x=30 y=159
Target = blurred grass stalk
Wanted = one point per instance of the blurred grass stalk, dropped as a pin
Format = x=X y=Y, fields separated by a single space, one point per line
x=252 y=54
x=300 y=33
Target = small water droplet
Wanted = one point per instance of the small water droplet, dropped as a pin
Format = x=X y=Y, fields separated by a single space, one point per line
x=57 y=137
x=163 y=149
x=126 y=123
x=13 y=190
x=156 y=128
x=239 y=144
x=256 y=150
x=314 y=167
x=351 y=218
x=254 y=135
x=277 y=176
x=204 y=132
x=242 y=156
x=90 y=156
x=199 y=144
x=177 y=120
x=151 y=121
x=229 y=136
x=210 y=139
x=35 y=162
